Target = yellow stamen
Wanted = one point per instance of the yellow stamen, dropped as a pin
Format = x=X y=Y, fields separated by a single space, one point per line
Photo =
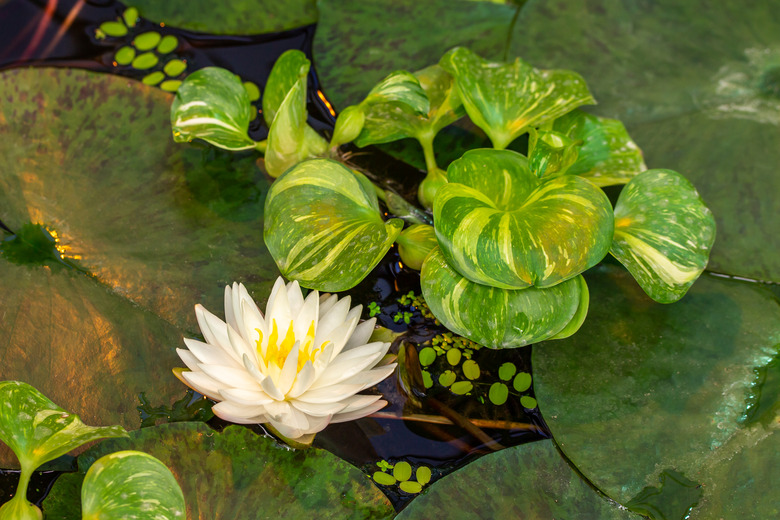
x=277 y=353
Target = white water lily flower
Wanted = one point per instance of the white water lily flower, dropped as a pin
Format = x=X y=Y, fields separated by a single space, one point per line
x=298 y=368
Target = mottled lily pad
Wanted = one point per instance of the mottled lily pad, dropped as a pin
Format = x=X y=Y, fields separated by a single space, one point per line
x=697 y=89
x=666 y=388
x=528 y=481
x=148 y=228
x=238 y=474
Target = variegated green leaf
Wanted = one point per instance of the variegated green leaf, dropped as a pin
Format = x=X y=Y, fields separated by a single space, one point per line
x=608 y=155
x=323 y=226
x=505 y=99
x=287 y=70
x=551 y=153
x=290 y=139
x=388 y=121
x=402 y=88
x=212 y=104
x=498 y=224
x=414 y=244
x=663 y=233
x=37 y=430
x=501 y=318
x=131 y=484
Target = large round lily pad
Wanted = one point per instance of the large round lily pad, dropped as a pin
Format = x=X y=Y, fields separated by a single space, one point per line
x=149 y=228
x=697 y=88
x=645 y=391
x=239 y=475
x=525 y=482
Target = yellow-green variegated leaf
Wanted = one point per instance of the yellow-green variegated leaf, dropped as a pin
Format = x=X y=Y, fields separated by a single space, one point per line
x=131 y=484
x=607 y=155
x=663 y=233
x=498 y=224
x=414 y=244
x=37 y=430
x=402 y=88
x=287 y=70
x=388 y=121
x=290 y=139
x=551 y=153
x=212 y=104
x=501 y=318
x=323 y=226
x=505 y=99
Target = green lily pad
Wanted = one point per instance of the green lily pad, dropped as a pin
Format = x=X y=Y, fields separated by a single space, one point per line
x=355 y=46
x=695 y=88
x=527 y=481
x=505 y=100
x=667 y=388
x=212 y=104
x=498 y=224
x=238 y=474
x=323 y=225
x=663 y=233
x=232 y=17
x=125 y=484
x=500 y=318
x=147 y=228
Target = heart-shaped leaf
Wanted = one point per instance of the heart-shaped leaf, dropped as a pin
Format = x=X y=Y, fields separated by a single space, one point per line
x=551 y=153
x=323 y=227
x=402 y=88
x=671 y=386
x=212 y=104
x=663 y=233
x=387 y=120
x=501 y=318
x=500 y=225
x=505 y=99
x=607 y=155
x=290 y=138
x=528 y=481
x=130 y=484
x=287 y=70
x=238 y=474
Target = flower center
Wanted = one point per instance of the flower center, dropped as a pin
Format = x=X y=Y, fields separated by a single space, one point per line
x=277 y=351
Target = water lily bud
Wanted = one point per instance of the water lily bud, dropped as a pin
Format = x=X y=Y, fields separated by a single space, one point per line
x=551 y=153
x=348 y=125
x=414 y=244
x=430 y=185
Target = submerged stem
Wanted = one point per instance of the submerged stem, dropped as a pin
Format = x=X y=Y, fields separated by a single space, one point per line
x=438 y=419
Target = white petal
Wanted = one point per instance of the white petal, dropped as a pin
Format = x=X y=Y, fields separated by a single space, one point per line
x=214 y=330
x=355 y=312
x=308 y=314
x=278 y=284
x=289 y=370
x=278 y=309
x=253 y=321
x=350 y=363
x=335 y=317
x=361 y=412
x=253 y=370
x=228 y=376
x=277 y=409
x=294 y=298
x=331 y=394
x=318 y=409
x=240 y=345
x=327 y=301
x=237 y=413
x=303 y=380
x=231 y=309
x=245 y=397
x=209 y=354
x=339 y=336
x=203 y=384
x=189 y=360
x=375 y=375
x=359 y=401
x=323 y=359
x=270 y=388
x=361 y=335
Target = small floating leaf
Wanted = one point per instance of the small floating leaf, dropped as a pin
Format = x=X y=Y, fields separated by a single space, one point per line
x=462 y=387
x=402 y=470
x=125 y=55
x=471 y=369
x=505 y=99
x=423 y=475
x=386 y=479
x=212 y=105
x=427 y=380
x=175 y=67
x=447 y=377
x=528 y=401
x=410 y=486
x=506 y=371
x=115 y=29
x=663 y=233
x=172 y=85
x=145 y=61
x=167 y=44
x=147 y=41
x=154 y=78
x=498 y=224
x=522 y=382
x=427 y=356
x=130 y=16
x=453 y=356
x=252 y=90
x=498 y=393
x=145 y=486
x=337 y=235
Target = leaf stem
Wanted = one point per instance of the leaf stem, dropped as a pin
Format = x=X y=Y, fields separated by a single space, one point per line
x=426 y=141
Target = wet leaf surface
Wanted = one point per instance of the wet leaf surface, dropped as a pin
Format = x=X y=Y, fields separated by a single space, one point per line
x=697 y=90
x=669 y=385
x=530 y=481
x=238 y=474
